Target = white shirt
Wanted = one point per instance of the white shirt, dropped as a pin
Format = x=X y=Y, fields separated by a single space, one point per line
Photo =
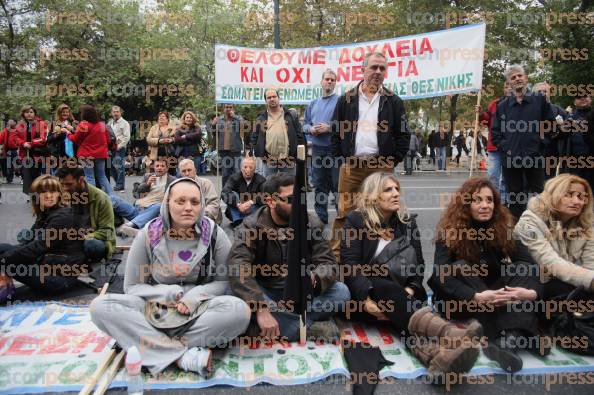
x=121 y=128
x=366 y=137
x=380 y=246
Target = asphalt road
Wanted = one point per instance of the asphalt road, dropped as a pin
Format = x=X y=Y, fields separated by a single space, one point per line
x=424 y=194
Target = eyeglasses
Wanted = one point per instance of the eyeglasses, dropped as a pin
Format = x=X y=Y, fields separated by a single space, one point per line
x=285 y=199
x=377 y=67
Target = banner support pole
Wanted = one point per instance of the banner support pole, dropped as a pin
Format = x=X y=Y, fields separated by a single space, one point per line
x=216 y=133
x=476 y=129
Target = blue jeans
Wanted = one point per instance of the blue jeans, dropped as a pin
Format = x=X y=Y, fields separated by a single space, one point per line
x=198 y=164
x=236 y=215
x=441 y=158
x=119 y=164
x=495 y=173
x=138 y=216
x=322 y=308
x=96 y=173
x=324 y=179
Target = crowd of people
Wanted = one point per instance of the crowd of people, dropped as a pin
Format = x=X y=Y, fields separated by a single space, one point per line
x=504 y=246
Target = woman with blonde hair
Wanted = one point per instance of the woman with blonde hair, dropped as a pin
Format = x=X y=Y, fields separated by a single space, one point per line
x=50 y=254
x=63 y=123
x=189 y=141
x=557 y=228
x=160 y=138
x=382 y=257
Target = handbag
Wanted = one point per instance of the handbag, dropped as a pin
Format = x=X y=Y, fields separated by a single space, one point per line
x=166 y=318
x=399 y=257
x=576 y=325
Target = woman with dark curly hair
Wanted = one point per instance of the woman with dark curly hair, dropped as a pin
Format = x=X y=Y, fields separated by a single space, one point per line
x=481 y=272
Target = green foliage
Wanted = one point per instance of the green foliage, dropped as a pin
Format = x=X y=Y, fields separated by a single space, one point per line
x=146 y=60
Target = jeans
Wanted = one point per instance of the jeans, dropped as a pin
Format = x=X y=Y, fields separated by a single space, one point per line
x=229 y=164
x=198 y=164
x=325 y=180
x=322 y=308
x=441 y=157
x=409 y=161
x=495 y=173
x=96 y=172
x=8 y=165
x=95 y=250
x=119 y=164
x=235 y=215
x=30 y=275
x=137 y=215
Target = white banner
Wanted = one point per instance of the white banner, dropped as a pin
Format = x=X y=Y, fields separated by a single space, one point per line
x=425 y=65
x=56 y=348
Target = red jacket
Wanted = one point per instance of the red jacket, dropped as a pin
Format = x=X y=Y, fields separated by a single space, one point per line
x=37 y=138
x=487 y=118
x=8 y=140
x=91 y=139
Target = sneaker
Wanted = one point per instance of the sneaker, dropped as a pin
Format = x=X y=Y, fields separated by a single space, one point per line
x=126 y=230
x=323 y=331
x=197 y=360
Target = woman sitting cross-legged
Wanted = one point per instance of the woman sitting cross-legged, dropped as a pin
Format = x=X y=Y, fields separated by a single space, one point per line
x=49 y=256
x=382 y=251
x=174 y=308
x=558 y=230
x=481 y=272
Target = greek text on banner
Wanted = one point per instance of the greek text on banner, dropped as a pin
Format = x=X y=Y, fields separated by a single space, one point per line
x=425 y=65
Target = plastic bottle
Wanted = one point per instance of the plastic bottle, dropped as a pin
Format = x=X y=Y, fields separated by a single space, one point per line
x=133 y=365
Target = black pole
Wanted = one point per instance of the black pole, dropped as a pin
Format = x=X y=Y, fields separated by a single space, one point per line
x=276 y=24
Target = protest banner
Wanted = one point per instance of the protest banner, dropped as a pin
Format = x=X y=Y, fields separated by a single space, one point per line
x=429 y=64
x=56 y=348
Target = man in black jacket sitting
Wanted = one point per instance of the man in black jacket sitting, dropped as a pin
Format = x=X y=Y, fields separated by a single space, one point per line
x=241 y=191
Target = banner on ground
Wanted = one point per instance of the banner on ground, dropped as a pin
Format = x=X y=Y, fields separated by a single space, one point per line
x=56 y=348
x=430 y=64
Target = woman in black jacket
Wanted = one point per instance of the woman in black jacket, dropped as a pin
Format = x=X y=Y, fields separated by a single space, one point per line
x=51 y=256
x=188 y=140
x=382 y=260
x=480 y=272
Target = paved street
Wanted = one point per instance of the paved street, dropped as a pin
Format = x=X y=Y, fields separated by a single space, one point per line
x=424 y=194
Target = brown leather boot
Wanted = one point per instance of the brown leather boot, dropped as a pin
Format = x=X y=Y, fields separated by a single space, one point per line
x=441 y=360
x=425 y=322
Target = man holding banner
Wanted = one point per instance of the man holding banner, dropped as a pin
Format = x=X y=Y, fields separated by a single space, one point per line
x=369 y=131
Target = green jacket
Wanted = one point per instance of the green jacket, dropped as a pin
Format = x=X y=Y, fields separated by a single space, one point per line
x=102 y=218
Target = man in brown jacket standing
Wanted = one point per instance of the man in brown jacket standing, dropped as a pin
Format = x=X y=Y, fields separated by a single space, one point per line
x=258 y=268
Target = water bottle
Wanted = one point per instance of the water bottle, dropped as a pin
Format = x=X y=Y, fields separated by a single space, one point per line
x=133 y=365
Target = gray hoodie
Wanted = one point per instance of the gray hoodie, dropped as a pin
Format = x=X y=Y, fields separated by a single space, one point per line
x=160 y=268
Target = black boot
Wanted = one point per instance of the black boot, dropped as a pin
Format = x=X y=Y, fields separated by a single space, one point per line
x=504 y=352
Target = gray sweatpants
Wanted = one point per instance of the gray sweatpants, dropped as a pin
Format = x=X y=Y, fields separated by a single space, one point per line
x=122 y=317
